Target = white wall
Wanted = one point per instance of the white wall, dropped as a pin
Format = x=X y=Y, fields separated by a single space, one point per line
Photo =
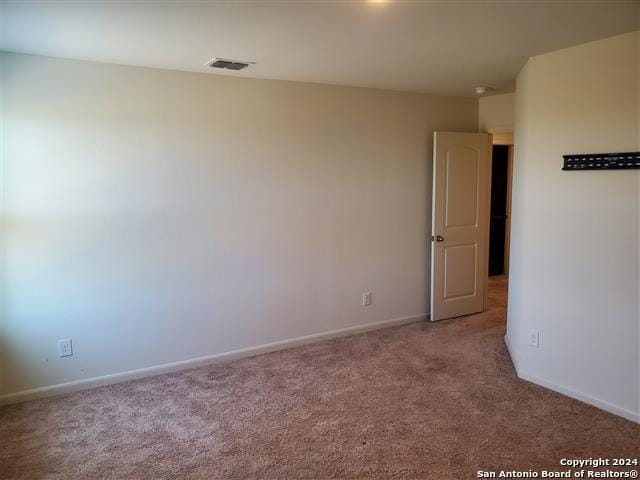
x=157 y=216
x=575 y=235
x=496 y=114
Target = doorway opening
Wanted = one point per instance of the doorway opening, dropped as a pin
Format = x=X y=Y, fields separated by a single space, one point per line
x=500 y=208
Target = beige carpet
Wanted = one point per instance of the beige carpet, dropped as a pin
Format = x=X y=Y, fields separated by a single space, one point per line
x=422 y=401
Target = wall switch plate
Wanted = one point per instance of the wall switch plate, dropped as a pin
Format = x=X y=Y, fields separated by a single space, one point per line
x=534 y=338
x=366 y=299
x=64 y=347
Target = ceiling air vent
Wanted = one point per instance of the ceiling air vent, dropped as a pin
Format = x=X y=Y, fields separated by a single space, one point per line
x=228 y=64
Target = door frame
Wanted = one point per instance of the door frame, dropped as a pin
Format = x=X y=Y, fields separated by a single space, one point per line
x=504 y=138
x=487 y=221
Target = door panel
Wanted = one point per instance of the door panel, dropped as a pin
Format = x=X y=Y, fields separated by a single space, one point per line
x=460 y=263
x=459 y=226
x=461 y=194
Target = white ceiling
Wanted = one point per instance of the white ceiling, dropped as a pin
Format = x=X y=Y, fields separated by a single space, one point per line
x=445 y=47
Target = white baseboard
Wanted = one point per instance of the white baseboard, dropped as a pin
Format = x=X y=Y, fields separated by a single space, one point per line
x=569 y=392
x=200 y=361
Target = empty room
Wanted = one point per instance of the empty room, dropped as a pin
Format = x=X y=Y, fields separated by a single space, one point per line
x=319 y=239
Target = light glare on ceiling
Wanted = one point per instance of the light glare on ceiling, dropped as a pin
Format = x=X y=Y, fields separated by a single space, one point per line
x=482 y=89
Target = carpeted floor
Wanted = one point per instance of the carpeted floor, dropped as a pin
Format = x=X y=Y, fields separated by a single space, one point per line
x=424 y=400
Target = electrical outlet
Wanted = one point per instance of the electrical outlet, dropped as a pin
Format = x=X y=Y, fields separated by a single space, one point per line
x=366 y=299
x=64 y=347
x=534 y=338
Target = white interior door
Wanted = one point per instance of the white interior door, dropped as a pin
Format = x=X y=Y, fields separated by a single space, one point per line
x=459 y=223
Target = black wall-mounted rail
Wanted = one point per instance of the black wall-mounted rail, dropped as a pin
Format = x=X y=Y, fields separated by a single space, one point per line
x=602 y=161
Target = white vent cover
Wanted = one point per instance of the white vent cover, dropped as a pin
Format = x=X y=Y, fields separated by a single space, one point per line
x=225 y=63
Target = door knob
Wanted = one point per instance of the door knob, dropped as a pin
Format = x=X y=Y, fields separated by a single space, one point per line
x=437 y=238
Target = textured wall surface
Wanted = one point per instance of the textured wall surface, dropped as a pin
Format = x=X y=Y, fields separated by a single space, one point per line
x=574 y=240
x=157 y=216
